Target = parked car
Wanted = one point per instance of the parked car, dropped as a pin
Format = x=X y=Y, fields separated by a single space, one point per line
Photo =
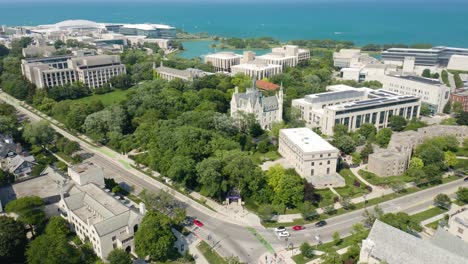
x=298 y=228
x=284 y=234
x=280 y=229
x=197 y=223
x=321 y=223
x=466 y=179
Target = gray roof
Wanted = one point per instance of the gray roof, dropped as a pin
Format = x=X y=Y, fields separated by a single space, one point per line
x=394 y=246
x=6 y=148
x=443 y=239
x=269 y=103
x=420 y=79
x=16 y=161
x=177 y=72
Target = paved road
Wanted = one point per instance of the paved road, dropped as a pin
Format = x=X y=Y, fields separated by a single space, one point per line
x=231 y=239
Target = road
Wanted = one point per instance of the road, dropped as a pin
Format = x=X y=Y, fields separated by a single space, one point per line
x=233 y=239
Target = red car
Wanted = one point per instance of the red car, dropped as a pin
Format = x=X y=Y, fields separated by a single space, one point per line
x=298 y=228
x=197 y=223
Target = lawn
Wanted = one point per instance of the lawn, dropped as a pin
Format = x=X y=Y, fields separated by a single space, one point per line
x=421 y=216
x=350 y=190
x=383 y=181
x=259 y=158
x=211 y=255
x=434 y=225
x=449 y=122
x=116 y=96
x=300 y=259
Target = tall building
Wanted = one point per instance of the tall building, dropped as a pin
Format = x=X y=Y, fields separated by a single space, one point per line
x=257 y=70
x=313 y=158
x=345 y=58
x=266 y=109
x=92 y=71
x=458 y=224
x=223 y=61
x=170 y=74
x=432 y=92
x=353 y=107
x=286 y=56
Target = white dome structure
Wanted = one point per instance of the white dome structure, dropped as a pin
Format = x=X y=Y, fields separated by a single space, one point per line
x=78 y=25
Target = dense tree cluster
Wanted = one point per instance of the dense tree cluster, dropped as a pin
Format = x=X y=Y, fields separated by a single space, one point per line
x=249 y=43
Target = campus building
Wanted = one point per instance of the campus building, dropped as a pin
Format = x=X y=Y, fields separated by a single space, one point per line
x=266 y=109
x=353 y=107
x=257 y=70
x=96 y=215
x=432 y=92
x=170 y=74
x=387 y=163
x=458 y=63
x=92 y=71
x=423 y=57
x=387 y=244
x=157 y=31
x=223 y=61
x=345 y=58
x=460 y=97
x=458 y=224
x=313 y=158
x=286 y=56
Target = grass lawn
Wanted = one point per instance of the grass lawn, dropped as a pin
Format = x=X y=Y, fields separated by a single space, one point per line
x=383 y=181
x=421 y=216
x=300 y=259
x=462 y=164
x=259 y=158
x=211 y=255
x=462 y=152
x=449 y=122
x=434 y=225
x=350 y=190
x=107 y=99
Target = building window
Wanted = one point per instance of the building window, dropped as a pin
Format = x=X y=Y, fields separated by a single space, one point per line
x=328 y=162
x=113 y=238
x=328 y=170
x=312 y=172
x=313 y=163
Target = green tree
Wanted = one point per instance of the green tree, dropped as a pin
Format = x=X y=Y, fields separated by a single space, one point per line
x=30 y=210
x=444 y=76
x=39 y=133
x=443 y=201
x=462 y=195
x=6 y=178
x=53 y=249
x=463 y=119
x=397 y=123
x=211 y=178
x=430 y=154
x=458 y=81
x=450 y=159
x=291 y=192
x=425 y=110
x=356 y=158
x=122 y=81
x=416 y=163
x=57 y=226
x=336 y=238
x=367 y=130
x=12 y=240
x=119 y=256
x=457 y=108
x=426 y=73
x=345 y=143
x=4 y=51
x=383 y=137
x=307 y=250
x=331 y=257
x=447 y=108
x=366 y=151
x=154 y=237
x=308 y=211
x=339 y=130
x=401 y=221
x=265 y=212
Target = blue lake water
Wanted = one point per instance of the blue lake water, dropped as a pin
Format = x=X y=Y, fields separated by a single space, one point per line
x=194 y=49
x=440 y=22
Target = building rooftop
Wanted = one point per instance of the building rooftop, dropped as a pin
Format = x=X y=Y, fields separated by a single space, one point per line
x=224 y=54
x=461 y=93
x=388 y=155
x=256 y=66
x=418 y=79
x=264 y=85
x=393 y=246
x=147 y=26
x=307 y=140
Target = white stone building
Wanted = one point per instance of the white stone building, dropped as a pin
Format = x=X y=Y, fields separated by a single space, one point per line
x=432 y=92
x=458 y=224
x=266 y=110
x=257 y=70
x=313 y=158
x=346 y=58
x=223 y=61
x=286 y=56
x=96 y=215
x=458 y=63
x=353 y=107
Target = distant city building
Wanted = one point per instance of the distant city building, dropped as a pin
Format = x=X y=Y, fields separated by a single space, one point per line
x=223 y=61
x=312 y=156
x=458 y=224
x=460 y=97
x=36 y=50
x=423 y=57
x=432 y=92
x=345 y=58
x=157 y=31
x=266 y=110
x=387 y=244
x=170 y=74
x=353 y=107
x=92 y=71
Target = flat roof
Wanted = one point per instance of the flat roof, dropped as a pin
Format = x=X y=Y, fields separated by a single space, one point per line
x=307 y=140
x=256 y=66
x=418 y=79
x=225 y=54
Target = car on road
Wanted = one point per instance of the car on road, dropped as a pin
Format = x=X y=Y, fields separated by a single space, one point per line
x=466 y=179
x=197 y=223
x=280 y=229
x=321 y=223
x=284 y=234
x=298 y=228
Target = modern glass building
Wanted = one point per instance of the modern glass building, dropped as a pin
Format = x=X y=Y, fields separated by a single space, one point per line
x=149 y=30
x=423 y=57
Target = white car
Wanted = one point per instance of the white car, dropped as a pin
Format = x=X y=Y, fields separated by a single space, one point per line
x=280 y=229
x=284 y=234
